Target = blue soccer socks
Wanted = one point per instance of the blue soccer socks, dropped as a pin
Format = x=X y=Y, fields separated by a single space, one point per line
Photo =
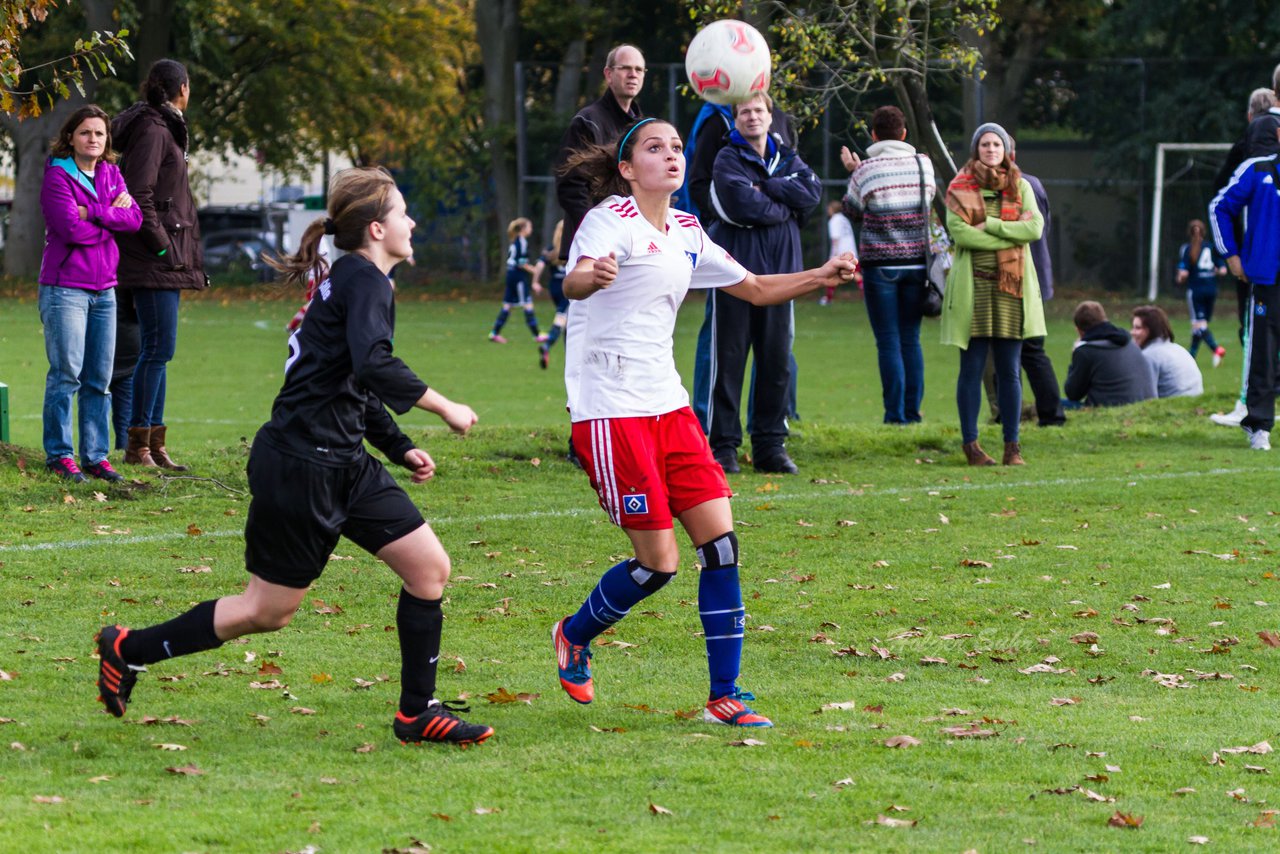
x=621 y=587
x=723 y=616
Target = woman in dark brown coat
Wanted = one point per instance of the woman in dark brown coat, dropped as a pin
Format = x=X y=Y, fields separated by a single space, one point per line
x=164 y=257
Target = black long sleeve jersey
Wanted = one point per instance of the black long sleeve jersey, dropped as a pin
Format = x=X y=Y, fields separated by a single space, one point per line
x=340 y=371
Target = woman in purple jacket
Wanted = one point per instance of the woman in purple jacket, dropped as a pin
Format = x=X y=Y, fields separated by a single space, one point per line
x=84 y=200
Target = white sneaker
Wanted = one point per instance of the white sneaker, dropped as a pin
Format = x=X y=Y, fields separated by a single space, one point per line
x=823 y=301
x=1259 y=440
x=1232 y=418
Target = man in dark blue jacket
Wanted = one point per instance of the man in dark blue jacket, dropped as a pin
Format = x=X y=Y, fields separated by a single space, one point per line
x=1255 y=186
x=759 y=190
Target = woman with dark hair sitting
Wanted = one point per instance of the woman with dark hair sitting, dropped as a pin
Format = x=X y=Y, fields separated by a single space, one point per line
x=1175 y=370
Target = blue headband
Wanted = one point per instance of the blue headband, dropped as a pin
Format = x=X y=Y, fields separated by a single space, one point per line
x=623 y=142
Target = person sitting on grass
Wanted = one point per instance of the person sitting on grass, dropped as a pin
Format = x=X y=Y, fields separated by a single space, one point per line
x=632 y=261
x=1175 y=370
x=1107 y=367
x=312 y=479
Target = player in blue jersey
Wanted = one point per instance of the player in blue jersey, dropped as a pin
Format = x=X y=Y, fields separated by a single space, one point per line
x=520 y=282
x=555 y=287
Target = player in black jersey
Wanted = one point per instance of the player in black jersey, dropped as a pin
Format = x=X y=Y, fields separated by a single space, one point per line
x=312 y=479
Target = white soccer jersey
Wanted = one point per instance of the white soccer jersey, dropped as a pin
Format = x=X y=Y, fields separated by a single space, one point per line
x=618 y=349
x=840 y=231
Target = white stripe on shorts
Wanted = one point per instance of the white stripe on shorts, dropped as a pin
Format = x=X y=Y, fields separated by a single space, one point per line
x=602 y=454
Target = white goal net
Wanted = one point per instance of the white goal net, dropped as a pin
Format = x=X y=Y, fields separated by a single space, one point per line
x=1184 y=186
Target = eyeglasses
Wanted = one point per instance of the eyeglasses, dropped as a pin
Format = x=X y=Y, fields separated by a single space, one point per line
x=628 y=69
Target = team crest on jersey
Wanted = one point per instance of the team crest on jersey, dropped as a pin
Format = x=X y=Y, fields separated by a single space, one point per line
x=325 y=289
x=693 y=259
x=636 y=504
x=653 y=249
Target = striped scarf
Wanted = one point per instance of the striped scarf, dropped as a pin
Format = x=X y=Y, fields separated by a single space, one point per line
x=964 y=198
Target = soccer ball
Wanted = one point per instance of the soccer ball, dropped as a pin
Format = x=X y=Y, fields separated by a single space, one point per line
x=727 y=62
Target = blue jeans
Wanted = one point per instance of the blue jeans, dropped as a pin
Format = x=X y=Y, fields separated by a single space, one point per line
x=80 y=340
x=1007 y=355
x=158 y=330
x=893 y=306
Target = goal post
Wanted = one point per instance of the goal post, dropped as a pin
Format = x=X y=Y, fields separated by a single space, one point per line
x=1157 y=204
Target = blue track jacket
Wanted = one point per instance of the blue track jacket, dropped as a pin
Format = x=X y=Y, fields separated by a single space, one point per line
x=1254 y=186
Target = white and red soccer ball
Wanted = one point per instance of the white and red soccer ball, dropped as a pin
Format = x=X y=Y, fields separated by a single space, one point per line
x=727 y=62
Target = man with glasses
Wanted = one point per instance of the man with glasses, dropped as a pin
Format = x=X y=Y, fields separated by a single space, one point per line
x=600 y=122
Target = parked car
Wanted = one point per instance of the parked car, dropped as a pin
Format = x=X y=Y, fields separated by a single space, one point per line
x=239 y=250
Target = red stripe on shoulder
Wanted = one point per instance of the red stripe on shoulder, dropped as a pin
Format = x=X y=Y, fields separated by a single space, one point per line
x=625 y=209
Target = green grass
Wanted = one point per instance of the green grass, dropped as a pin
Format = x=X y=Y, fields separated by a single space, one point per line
x=867 y=547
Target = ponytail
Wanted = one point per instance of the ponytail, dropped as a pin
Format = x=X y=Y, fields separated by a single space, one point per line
x=164 y=82
x=357 y=197
x=599 y=164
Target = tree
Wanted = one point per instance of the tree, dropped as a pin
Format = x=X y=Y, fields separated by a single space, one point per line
x=29 y=90
x=838 y=51
x=287 y=81
x=31 y=129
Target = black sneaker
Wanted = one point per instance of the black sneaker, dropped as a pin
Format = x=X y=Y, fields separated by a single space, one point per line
x=728 y=460
x=66 y=468
x=103 y=471
x=777 y=462
x=116 y=677
x=439 y=724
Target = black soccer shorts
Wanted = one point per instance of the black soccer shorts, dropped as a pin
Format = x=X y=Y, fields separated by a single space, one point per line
x=300 y=508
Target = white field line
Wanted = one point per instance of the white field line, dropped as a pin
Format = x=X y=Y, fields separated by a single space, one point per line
x=833 y=490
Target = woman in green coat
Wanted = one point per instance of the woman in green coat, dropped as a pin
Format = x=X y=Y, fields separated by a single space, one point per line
x=993 y=297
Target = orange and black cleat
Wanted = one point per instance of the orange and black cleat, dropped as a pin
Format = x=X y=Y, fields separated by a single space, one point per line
x=439 y=725
x=116 y=677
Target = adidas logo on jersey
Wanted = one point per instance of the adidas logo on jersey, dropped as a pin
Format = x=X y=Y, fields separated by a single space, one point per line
x=653 y=249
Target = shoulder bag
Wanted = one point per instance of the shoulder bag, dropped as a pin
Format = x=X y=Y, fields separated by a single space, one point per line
x=935 y=282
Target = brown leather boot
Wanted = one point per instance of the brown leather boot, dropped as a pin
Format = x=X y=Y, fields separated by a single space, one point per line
x=1013 y=454
x=138 y=451
x=158 y=451
x=976 y=456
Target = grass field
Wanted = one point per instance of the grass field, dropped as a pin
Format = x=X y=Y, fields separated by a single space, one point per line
x=891 y=591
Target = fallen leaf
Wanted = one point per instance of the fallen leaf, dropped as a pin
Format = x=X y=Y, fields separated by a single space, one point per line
x=1198 y=840
x=302 y=710
x=982 y=563
x=1085 y=637
x=1125 y=820
x=1064 y=701
x=486 y=810
x=502 y=695
x=169 y=746
x=185 y=771
x=100 y=779
x=48 y=799
x=1185 y=790
x=840 y=784
x=747 y=742
x=894 y=822
x=1270 y=638
x=194 y=570
x=659 y=810
x=269 y=668
x=365 y=748
x=902 y=741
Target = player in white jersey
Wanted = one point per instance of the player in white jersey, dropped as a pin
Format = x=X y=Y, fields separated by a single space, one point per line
x=632 y=261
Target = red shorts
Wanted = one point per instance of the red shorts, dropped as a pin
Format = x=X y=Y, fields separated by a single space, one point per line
x=649 y=470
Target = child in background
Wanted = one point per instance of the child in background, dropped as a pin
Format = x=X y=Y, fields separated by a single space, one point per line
x=555 y=285
x=840 y=232
x=1199 y=266
x=520 y=274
